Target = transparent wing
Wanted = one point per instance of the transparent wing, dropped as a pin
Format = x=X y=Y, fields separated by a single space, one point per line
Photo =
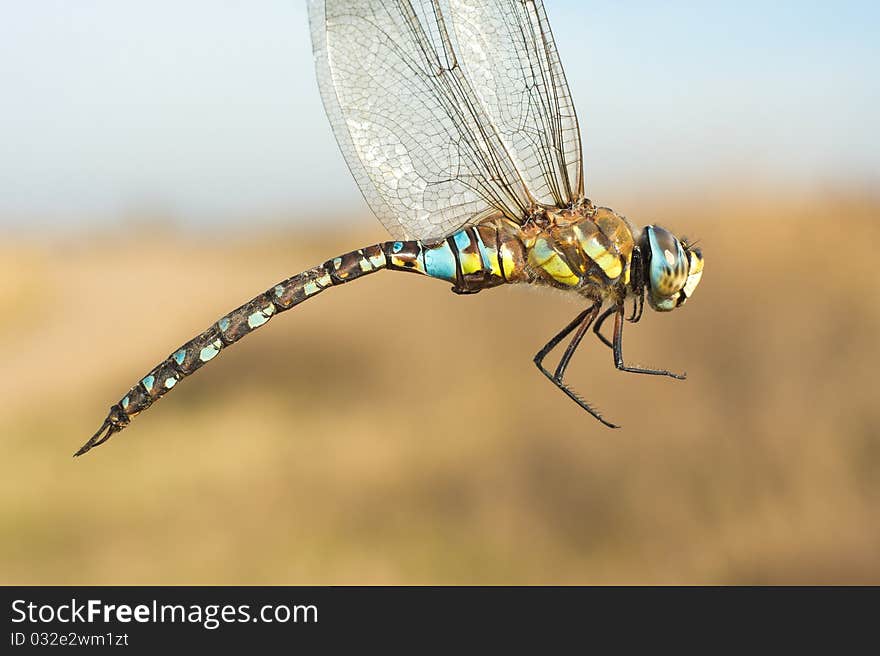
x=510 y=57
x=413 y=132
x=428 y=148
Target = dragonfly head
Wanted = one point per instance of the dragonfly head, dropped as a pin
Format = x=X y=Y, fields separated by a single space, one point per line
x=672 y=268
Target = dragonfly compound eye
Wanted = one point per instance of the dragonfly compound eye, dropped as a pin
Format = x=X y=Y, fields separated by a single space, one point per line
x=668 y=268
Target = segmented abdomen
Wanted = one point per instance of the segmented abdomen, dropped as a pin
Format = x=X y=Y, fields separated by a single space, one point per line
x=472 y=259
x=247 y=318
x=478 y=257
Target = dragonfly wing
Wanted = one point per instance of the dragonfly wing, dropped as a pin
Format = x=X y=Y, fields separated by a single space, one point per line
x=509 y=55
x=414 y=132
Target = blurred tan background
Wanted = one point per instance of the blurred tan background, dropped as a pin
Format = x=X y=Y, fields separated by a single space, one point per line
x=392 y=432
x=162 y=162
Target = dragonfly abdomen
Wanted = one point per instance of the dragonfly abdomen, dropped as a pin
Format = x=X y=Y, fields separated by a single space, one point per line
x=472 y=259
x=475 y=258
x=242 y=321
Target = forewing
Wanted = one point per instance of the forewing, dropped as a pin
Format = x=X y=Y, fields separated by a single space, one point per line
x=414 y=132
x=507 y=50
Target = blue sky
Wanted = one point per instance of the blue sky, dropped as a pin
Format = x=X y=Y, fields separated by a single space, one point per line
x=209 y=110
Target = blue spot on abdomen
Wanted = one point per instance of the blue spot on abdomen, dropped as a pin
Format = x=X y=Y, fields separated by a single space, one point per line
x=179 y=356
x=440 y=262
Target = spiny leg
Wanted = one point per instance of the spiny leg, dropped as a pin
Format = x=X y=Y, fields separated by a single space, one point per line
x=638 y=306
x=582 y=322
x=597 y=327
x=549 y=346
x=617 y=347
x=570 y=349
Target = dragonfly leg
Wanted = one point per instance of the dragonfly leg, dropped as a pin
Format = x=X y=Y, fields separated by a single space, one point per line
x=638 y=308
x=572 y=347
x=597 y=327
x=618 y=352
x=582 y=322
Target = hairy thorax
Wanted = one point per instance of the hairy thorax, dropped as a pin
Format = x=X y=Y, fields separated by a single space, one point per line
x=586 y=249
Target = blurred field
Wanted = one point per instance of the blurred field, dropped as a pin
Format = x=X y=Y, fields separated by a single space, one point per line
x=392 y=432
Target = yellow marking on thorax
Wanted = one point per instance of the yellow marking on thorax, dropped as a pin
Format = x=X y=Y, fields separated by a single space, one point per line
x=607 y=261
x=619 y=233
x=541 y=256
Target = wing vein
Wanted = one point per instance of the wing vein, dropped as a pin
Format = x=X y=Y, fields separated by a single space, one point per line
x=446 y=110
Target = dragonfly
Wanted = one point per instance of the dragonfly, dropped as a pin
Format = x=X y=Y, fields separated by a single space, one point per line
x=456 y=120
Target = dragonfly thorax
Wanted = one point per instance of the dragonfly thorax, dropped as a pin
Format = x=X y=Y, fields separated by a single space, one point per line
x=586 y=249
